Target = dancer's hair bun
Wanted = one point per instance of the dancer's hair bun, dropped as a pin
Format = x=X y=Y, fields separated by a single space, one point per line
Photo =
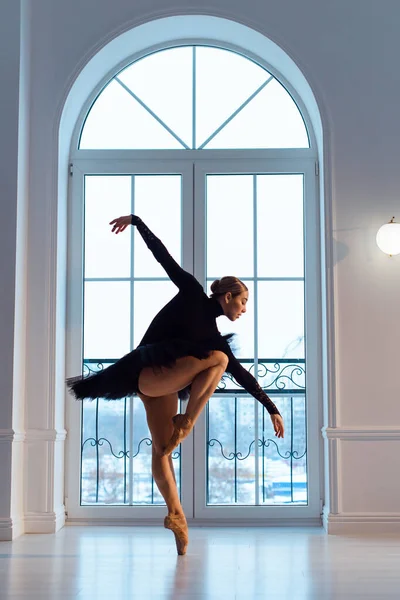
x=215 y=286
x=219 y=287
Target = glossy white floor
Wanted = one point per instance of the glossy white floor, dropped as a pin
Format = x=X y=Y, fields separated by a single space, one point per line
x=222 y=564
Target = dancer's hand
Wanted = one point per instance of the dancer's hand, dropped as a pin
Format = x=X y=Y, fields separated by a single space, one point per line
x=121 y=224
x=277 y=422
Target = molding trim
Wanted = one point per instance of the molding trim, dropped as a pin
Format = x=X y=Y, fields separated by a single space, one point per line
x=6 y=529
x=18 y=527
x=44 y=522
x=307 y=522
x=333 y=476
x=19 y=436
x=45 y=435
x=359 y=523
x=371 y=433
x=5 y=522
x=33 y=435
x=9 y=435
x=325 y=518
x=10 y=528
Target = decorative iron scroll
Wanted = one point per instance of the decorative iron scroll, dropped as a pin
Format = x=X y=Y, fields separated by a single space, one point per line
x=280 y=377
x=277 y=376
x=98 y=441
x=260 y=443
x=258 y=448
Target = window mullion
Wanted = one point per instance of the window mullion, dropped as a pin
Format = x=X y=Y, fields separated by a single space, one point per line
x=194 y=99
x=255 y=292
x=236 y=112
x=152 y=113
x=131 y=400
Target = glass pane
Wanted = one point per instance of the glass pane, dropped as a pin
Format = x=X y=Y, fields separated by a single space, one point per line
x=230 y=445
x=113 y=441
x=230 y=244
x=158 y=203
x=243 y=328
x=149 y=298
x=143 y=486
x=283 y=462
x=163 y=81
x=224 y=80
x=117 y=121
x=270 y=120
x=106 y=318
x=281 y=319
x=280 y=225
x=88 y=457
x=232 y=450
x=109 y=458
x=113 y=470
x=141 y=456
x=106 y=254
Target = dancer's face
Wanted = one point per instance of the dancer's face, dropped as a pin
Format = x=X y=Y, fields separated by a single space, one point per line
x=235 y=306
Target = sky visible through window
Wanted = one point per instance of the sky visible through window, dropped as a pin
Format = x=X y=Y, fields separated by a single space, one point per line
x=194 y=97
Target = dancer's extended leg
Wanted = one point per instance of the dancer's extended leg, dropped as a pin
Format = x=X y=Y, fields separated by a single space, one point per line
x=203 y=386
x=202 y=375
x=159 y=412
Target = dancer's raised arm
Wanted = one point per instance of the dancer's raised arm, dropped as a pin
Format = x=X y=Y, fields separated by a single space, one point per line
x=250 y=384
x=181 y=278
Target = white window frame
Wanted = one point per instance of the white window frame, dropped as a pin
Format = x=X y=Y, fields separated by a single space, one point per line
x=168 y=161
x=306 y=166
x=193 y=458
x=75 y=328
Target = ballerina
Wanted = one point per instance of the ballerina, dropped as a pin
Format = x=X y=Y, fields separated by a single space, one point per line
x=182 y=355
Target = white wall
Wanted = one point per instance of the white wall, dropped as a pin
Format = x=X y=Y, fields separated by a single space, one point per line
x=348 y=52
x=13 y=153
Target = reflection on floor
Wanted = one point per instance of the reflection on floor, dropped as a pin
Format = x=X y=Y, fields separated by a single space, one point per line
x=228 y=563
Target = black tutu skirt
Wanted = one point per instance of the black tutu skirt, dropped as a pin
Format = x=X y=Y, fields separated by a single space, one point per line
x=121 y=379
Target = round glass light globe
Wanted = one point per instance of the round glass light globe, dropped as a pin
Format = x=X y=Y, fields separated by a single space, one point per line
x=388 y=238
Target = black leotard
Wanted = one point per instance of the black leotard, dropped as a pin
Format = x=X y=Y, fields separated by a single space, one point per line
x=191 y=315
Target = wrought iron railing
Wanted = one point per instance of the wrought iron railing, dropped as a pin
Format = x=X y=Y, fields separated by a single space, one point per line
x=276 y=375
x=279 y=377
x=125 y=454
x=261 y=452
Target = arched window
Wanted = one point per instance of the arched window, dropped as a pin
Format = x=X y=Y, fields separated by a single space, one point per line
x=213 y=153
x=194 y=97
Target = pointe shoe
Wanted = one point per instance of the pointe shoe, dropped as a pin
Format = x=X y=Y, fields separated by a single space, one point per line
x=177 y=524
x=183 y=425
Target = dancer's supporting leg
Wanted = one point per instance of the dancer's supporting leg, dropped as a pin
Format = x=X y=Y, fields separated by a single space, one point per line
x=159 y=412
x=202 y=375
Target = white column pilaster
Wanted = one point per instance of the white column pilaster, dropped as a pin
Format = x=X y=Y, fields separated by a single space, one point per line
x=10 y=516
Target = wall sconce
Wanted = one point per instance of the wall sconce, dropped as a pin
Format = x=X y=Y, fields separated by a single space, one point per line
x=388 y=238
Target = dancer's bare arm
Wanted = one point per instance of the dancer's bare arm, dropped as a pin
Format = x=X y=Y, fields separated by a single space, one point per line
x=250 y=384
x=181 y=278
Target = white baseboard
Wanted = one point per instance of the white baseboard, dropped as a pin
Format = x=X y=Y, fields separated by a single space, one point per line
x=361 y=523
x=311 y=522
x=6 y=529
x=51 y=522
x=18 y=527
x=11 y=528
